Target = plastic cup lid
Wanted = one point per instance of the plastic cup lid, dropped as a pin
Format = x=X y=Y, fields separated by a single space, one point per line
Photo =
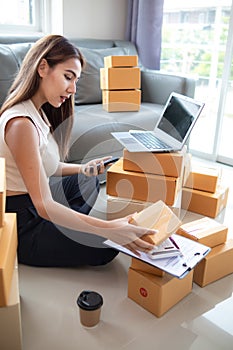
x=89 y=300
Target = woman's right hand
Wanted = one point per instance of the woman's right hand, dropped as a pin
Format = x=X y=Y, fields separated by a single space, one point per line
x=122 y=232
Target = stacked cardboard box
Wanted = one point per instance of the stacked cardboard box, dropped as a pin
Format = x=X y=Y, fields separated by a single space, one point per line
x=218 y=263
x=149 y=286
x=10 y=318
x=120 y=82
x=203 y=192
x=8 y=247
x=10 y=335
x=157 y=293
x=140 y=178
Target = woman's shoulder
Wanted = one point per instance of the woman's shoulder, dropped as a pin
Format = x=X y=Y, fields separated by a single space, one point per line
x=25 y=109
x=21 y=108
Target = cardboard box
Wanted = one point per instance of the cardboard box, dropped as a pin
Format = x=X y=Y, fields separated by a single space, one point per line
x=10 y=319
x=120 y=78
x=118 y=207
x=121 y=100
x=205 y=203
x=8 y=248
x=157 y=216
x=2 y=191
x=157 y=294
x=205 y=231
x=120 y=61
x=203 y=178
x=166 y=164
x=142 y=187
x=139 y=265
x=217 y=264
x=187 y=167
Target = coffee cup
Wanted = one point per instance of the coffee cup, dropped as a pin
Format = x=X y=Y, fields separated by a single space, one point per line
x=90 y=304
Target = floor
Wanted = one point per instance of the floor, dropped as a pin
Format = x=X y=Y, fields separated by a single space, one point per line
x=201 y=321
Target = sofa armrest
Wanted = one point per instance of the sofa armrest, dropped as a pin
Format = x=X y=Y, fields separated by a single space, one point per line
x=157 y=86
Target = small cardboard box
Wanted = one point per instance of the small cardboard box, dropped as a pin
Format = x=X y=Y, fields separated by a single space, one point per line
x=217 y=264
x=120 y=78
x=205 y=203
x=8 y=248
x=168 y=164
x=206 y=231
x=187 y=167
x=139 y=265
x=118 y=207
x=160 y=217
x=2 y=191
x=142 y=187
x=157 y=294
x=121 y=100
x=120 y=61
x=10 y=318
x=203 y=178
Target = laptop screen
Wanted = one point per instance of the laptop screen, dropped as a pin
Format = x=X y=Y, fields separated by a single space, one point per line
x=179 y=116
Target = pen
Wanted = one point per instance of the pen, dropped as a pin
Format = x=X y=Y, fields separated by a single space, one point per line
x=173 y=241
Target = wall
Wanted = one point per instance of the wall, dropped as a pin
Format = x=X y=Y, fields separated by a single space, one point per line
x=100 y=19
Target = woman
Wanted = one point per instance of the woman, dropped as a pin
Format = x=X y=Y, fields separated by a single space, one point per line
x=52 y=198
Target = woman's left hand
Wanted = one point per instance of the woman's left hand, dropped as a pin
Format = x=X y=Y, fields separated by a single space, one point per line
x=94 y=167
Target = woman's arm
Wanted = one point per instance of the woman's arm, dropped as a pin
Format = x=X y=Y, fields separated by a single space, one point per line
x=20 y=133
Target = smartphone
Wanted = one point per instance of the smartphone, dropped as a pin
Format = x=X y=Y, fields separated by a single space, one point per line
x=109 y=161
x=106 y=163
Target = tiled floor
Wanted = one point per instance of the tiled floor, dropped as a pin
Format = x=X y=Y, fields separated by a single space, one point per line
x=203 y=320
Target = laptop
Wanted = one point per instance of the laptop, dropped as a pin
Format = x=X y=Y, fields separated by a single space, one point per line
x=171 y=131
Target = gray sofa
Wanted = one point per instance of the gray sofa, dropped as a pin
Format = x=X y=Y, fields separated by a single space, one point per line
x=91 y=134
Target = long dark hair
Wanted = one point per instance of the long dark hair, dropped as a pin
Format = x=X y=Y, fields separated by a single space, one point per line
x=55 y=49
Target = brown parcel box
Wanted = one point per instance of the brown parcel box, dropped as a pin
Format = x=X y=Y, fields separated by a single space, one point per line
x=120 y=78
x=157 y=294
x=205 y=203
x=157 y=216
x=168 y=164
x=120 y=61
x=8 y=249
x=118 y=207
x=10 y=319
x=2 y=191
x=121 y=100
x=217 y=264
x=203 y=178
x=139 y=265
x=142 y=187
x=206 y=231
x=187 y=167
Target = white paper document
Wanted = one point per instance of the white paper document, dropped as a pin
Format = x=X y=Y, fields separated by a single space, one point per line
x=192 y=253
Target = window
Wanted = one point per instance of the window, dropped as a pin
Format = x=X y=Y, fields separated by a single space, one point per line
x=195 y=42
x=20 y=16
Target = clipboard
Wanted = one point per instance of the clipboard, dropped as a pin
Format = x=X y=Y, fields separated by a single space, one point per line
x=179 y=266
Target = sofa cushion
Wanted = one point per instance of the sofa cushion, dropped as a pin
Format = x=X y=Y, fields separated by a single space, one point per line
x=11 y=57
x=88 y=86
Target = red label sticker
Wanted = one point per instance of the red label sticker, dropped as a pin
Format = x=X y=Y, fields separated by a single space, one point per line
x=143 y=292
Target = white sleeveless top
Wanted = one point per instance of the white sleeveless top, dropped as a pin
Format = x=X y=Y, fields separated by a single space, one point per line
x=48 y=147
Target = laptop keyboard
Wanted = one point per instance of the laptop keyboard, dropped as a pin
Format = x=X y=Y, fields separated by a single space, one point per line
x=150 y=141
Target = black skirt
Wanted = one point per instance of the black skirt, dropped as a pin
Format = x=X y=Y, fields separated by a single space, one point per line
x=42 y=243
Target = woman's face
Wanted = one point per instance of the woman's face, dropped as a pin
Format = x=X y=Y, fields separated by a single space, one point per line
x=58 y=83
